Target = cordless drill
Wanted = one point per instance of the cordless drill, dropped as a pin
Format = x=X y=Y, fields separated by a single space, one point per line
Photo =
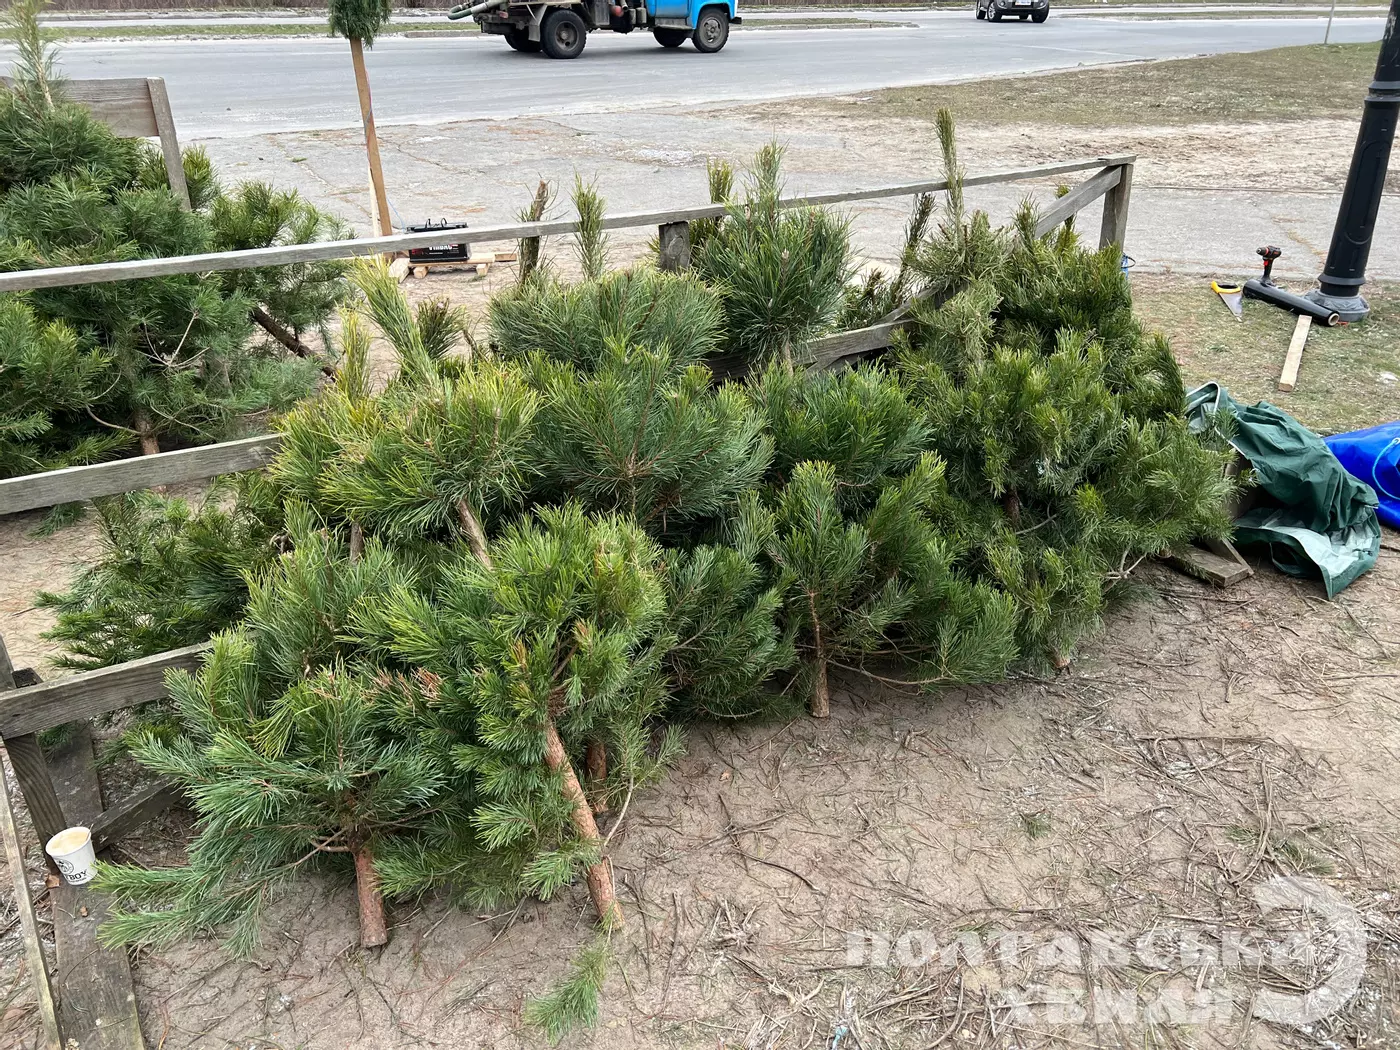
x=1268 y=253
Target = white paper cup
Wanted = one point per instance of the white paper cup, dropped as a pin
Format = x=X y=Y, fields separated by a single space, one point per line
x=71 y=850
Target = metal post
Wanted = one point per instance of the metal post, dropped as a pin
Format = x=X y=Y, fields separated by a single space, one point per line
x=1345 y=271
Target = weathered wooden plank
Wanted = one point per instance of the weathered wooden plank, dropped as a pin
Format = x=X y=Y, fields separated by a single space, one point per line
x=99 y=273
x=122 y=819
x=31 y=770
x=140 y=472
x=1114 y=229
x=1073 y=202
x=91 y=693
x=97 y=1001
x=673 y=241
x=122 y=103
x=1210 y=566
x=24 y=904
x=1288 y=378
x=159 y=103
x=828 y=350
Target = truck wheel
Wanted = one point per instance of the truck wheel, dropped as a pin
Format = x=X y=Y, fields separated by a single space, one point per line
x=670 y=37
x=711 y=30
x=1041 y=15
x=519 y=40
x=563 y=34
x=993 y=15
x=977 y=10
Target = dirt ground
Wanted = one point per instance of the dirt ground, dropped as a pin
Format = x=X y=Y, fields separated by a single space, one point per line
x=1203 y=744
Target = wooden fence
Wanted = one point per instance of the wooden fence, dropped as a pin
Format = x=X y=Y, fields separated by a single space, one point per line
x=27 y=711
x=28 y=707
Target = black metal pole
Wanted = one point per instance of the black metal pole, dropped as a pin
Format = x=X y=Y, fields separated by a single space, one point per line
x=1345 y=271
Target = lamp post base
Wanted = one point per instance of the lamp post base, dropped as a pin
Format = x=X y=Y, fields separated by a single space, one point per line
x=1348 y=308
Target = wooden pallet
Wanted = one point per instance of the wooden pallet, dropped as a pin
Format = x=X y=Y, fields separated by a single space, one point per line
x=480 y=263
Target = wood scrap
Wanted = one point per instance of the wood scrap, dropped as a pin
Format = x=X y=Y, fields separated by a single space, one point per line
x=1288 y=378
x=98 y=1000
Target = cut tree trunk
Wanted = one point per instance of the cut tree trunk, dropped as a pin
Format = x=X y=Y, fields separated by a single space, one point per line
x=357 y=541
x=529 y=248
x=269 y=324
x=820 y=706
x=596 y=761
x=600 y=881
x=146 y=433
x=374 y=931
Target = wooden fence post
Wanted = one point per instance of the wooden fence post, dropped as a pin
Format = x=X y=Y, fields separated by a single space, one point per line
x=29 y=927
x=1115 y=210
x=31 y=771
x=675 y=246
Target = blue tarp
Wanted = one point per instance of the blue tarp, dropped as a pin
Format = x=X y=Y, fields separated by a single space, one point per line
x=1373 y=455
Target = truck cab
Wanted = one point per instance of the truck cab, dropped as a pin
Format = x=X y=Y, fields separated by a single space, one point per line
x=559 y=28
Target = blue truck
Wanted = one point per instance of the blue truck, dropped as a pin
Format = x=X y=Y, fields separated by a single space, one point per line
x=559 y=28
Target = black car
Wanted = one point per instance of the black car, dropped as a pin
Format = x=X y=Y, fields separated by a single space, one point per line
x=996 y=10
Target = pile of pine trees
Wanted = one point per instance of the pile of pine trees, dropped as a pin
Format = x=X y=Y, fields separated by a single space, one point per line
x=104 y=370
x=477 y=604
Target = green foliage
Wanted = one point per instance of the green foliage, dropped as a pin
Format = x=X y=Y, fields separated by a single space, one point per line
x=859 y=421
x=143 y=362
x=576 y=323
x=573 y=1003
x=590 y=242
x=46 y=380
x=884 y=584
x=725 y=615
x=782 y=274
x=563 y=629
x=359 y=19
x=301 y=297
x=168 y=574
x=647 y=437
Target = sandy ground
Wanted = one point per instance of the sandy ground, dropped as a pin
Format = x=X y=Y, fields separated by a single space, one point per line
x=1204 y=195
x=1202 y=745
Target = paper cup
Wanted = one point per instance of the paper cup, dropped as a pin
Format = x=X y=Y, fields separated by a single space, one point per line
x=71 y=850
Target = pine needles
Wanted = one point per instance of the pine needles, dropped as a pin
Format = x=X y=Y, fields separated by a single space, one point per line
x=573 y=1003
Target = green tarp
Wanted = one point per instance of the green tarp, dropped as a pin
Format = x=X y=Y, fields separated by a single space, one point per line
x=1314 y=517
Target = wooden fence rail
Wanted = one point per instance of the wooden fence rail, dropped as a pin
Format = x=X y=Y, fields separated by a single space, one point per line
x=253 y=258
x=27 y=711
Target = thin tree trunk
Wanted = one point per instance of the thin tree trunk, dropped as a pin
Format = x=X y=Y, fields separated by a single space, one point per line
x=596 y=761
x=476 y=535
x=357 y=541
x=374 y=931
x=600 y=882
x=1011 y=503
x=146 y=432
x=529 y=248
x=376 y=170
x=820 y=706
x=269 y=324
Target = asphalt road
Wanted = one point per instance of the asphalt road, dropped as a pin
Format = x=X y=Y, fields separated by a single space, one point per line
x=236 y=87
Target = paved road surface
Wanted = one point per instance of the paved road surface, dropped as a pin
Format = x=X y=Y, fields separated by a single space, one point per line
x=235 y=87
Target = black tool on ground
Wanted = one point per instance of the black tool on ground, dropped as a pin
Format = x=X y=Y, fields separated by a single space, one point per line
x=1268 y=253
x=458 y=252
x=1265 y=290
